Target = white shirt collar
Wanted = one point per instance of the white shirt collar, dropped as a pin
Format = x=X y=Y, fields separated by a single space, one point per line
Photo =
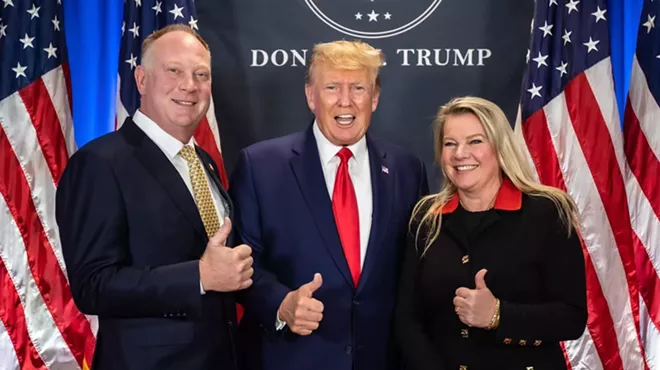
x=328 y=151
x=166 y=142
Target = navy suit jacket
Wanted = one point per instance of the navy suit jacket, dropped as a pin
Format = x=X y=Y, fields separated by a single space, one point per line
x=132 y=237
x=284 y=212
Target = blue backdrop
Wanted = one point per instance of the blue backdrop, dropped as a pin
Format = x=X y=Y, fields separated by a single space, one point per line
x=93 y=31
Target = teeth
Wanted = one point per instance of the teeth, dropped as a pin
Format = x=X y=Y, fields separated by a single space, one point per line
x=345 y=119
x=466 y=168
x=184 y=102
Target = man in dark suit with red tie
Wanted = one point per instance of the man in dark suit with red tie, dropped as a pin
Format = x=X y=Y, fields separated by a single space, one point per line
x=326 y=213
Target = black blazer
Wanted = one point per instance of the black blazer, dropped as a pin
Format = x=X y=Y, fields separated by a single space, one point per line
x=534 y=268
x=132 y=237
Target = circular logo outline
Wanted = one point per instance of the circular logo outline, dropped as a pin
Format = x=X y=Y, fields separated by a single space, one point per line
x=372 y=35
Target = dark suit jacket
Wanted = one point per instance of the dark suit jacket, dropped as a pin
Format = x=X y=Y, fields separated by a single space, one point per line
x=534 y=268
x=132 y=237
x=284 y=212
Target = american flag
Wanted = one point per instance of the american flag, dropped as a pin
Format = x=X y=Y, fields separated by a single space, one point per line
x=641 y=136
x=40 y=326
x=570 y=123
x=141 y=18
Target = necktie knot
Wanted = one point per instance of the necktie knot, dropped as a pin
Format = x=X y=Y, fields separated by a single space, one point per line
x=344 y=154
x=188 y=153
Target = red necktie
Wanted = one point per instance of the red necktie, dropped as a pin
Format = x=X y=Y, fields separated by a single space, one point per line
x=345 y=209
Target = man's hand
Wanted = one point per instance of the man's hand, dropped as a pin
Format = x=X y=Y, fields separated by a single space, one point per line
x=300 y=311
x=224 y=269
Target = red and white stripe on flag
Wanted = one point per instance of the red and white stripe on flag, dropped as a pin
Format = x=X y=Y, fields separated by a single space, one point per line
x=642 y=150
x=570 y=125
x=40 y=326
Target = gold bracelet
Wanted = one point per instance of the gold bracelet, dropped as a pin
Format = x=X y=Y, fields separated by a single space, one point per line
x=495 y=320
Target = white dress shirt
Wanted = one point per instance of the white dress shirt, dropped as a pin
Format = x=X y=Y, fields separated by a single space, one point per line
x=171 y=147
x=359 y=170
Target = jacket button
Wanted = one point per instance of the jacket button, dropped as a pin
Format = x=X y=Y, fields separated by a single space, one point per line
x=465 y=259
x=356 y=302
x=349 y=350
x=462 y=367
x=464 y=333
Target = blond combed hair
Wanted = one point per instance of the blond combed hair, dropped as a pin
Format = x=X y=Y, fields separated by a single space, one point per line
x=346 y=55
x=511 y=160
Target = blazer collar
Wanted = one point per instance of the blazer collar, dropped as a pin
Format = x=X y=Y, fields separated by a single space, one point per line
x=509 y=198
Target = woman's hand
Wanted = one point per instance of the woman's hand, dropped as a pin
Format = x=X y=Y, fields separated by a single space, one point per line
x=476 y=307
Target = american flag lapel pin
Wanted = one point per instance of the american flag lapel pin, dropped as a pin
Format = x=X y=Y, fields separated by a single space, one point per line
x=385 y=170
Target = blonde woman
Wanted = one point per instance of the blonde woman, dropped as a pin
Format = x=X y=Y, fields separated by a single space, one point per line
x=493 y=277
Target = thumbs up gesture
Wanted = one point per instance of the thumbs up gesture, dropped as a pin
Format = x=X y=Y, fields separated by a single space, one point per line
x=225 y=269
x=475 y=307
x=301 y=312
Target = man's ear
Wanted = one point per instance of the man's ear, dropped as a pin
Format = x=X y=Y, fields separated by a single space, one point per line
x=309 y=93
x=140 y=77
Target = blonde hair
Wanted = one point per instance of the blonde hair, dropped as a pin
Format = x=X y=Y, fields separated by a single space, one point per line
x=347 y=55
x=149 y=40
x=510 y=158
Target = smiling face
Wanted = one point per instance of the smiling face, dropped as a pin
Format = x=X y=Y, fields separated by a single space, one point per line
x=468 y=158
x=174 y=81
x=342 y=101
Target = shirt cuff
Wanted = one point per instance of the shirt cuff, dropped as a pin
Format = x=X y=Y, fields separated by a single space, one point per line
x=279 y=324
x=201 y=288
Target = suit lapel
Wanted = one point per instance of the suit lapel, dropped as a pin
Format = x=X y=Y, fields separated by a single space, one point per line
x=382 y=191
x=306 y=166
x=153 y=159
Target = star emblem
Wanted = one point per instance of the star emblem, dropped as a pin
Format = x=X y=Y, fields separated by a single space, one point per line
x=2 y=30
x=177 y=11
x=34 y=12
x=27 y=41
x=566 y=37
x=358 y=16
x=540 y=60
x=552 y=2
x=387 y=16
x=535 y=90
x=51 y=50
x=373 y=16
x=138 y=3
x=20 y=70
x=135 y=30
x=157 y=7
x=56 y=23
x=547 y=29
x=8 y=3
x=132 y=61
x=599 y=14
x=562 y=69
x=193 y=23
x=650 y=23
x=572 y=5
x=591 y=45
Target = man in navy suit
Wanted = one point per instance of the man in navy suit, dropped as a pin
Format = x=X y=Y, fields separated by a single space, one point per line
x=145 y=224
x=326 y=213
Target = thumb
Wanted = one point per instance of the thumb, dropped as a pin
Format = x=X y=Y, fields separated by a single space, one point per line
x=220 y=237
x=479 y=279
x=311 y=287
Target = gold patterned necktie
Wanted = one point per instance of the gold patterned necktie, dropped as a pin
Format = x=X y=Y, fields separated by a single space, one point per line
x=201 y=191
